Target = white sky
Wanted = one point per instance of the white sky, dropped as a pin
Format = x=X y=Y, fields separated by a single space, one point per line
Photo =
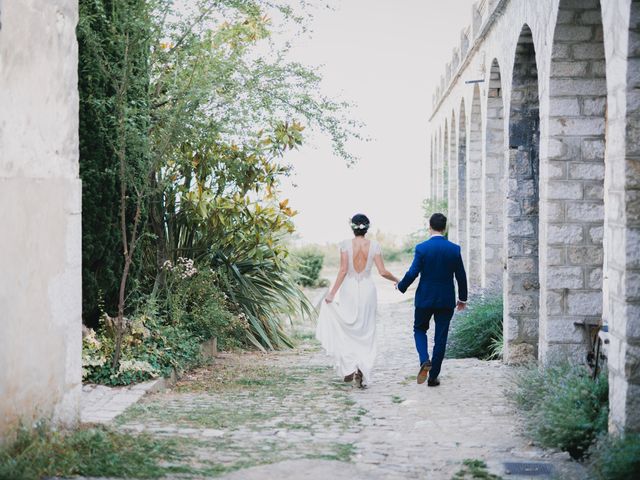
x=386 y=56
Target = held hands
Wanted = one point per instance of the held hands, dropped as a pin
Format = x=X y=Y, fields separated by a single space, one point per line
x=461 y=306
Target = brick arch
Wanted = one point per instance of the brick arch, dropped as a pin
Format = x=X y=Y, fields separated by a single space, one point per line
x=493 y=172
x=521 y=286
x=572 y=230
x=461 y=203
x=474 y=193
x=452 y=198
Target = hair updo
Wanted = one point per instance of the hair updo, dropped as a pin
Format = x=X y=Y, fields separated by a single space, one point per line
x=360 y=224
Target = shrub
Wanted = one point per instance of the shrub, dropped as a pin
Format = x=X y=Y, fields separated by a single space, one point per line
x=616 y=458
x=477 y=331
x=310 y=263
x=92 y=452
x=564 y=407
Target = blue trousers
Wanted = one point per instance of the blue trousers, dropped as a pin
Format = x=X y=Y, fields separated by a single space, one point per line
x=442 y=317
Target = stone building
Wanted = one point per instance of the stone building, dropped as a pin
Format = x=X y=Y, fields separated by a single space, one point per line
x=535 y=136
x=40 y=194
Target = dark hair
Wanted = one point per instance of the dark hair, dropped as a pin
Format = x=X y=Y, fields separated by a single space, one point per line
x=438 y=222
x=357 y=220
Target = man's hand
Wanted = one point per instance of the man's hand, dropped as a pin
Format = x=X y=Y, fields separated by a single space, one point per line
x=461 y=306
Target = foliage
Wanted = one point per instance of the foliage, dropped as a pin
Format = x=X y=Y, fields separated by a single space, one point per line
x=90 y=452
x=188 y=112
x=615 y=458
x=474 y=469
x=430 y=206
x=309 y=266
x=477 y=331
x=564 y=407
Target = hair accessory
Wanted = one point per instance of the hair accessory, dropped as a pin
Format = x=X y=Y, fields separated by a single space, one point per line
x=361 y=226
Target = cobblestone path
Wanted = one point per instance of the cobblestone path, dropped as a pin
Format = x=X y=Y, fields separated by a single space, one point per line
x=287 y=415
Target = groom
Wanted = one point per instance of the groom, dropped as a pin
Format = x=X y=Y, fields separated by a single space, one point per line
x=437 y=261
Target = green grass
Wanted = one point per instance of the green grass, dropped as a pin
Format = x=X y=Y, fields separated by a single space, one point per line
x=91 y=452
x=477 y=332
x=474 y=470
x=396 y=399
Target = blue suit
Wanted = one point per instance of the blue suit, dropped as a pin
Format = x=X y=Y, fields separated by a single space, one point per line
x=437 y=261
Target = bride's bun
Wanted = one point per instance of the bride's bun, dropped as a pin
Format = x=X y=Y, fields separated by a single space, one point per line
x=360 y=224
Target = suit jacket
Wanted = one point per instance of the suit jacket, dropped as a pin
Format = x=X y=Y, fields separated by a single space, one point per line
x=437 y=261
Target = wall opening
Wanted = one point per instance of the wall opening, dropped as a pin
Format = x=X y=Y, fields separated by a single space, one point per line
x=522 y=286
x=452 y=198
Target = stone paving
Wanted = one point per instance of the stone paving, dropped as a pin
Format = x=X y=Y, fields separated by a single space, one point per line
x=285 y=415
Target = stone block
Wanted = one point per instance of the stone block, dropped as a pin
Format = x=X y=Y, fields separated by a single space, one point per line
x=555 y=211
x=564 y=277
x=591 y=255
x=564 y=190
x=562 y=330
x=585 y=212
x=576 y=126
x=520 y=228
x=569 y=69
x=595 y=279
x=594 y=192
x=522 y=304
x=565 y=234
x=594 y=106
x=557 y=170
x=554 y=303
x=596 y=234
x=582 y=51
x=593 y=149
x=564 y=107
x=523 y=265
x=587 y=304
x=586 y=171
x=591 y=17
x=556 y=255
x=557 y=148
x=574 y=86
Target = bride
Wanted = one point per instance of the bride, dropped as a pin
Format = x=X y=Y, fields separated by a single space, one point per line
x=346 y=328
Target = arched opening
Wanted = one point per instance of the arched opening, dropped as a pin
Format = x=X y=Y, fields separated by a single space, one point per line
x=521 y=288
x=571 y=290
x=461 y=212
x=430 y=179
x=439 y=166
x=474 y=194
x=493 y=183
x=452 y=199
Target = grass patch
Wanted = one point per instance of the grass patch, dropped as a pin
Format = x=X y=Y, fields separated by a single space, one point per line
x=615 y=458
x=396 y=399
x=476 y=470
x=563 y=406
x=91 y=452
x=477 y=332
x=341 y=452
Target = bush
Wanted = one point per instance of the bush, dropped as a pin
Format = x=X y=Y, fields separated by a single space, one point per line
x=91 y=452
x=564 y=407
x=310 y=263
x=616 y=458
x=477 y=331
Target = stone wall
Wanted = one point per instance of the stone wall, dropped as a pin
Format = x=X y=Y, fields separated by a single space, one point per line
x=558 y=195
x=40 y=194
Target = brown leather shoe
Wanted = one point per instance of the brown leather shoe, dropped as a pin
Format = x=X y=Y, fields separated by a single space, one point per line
x=349 y=378
x=424 y=371
x=359 y=379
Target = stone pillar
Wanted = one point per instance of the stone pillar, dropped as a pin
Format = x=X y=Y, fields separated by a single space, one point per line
x=40 y=194
x=461 y=204
x=452 y=191
x=474 y=194
x=622 y=213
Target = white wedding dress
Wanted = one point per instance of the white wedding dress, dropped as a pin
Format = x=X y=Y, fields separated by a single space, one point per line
x=347 y=326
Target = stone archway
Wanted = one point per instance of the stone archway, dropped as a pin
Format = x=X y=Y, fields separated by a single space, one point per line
x=521 y=286
x=445 y=162
x=474 y=193
x=572 y=230
x=493 y=183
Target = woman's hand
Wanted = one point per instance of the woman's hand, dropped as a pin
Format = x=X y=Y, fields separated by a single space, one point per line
x=329 y=298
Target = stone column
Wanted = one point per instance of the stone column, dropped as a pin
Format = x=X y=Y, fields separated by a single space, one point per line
x=40 y=195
